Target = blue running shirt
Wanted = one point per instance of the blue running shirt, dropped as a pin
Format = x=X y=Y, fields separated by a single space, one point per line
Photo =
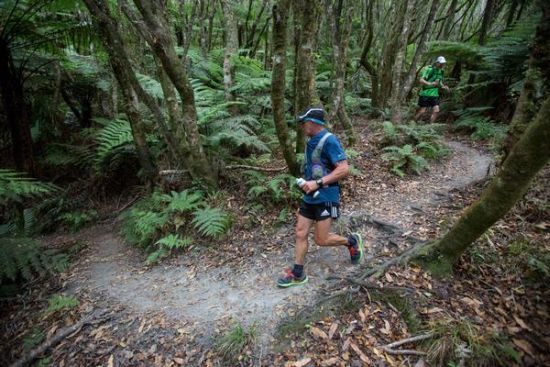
x=331 y=154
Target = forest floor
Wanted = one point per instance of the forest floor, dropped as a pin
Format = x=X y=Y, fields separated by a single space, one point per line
x=176 y=313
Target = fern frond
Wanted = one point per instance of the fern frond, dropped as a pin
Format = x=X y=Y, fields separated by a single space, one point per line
x=150 y=86
x=183 y=201
x=17 y=186
x=118 y=133
x=211 y=222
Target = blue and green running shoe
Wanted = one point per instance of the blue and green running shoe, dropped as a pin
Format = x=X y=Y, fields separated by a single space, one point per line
x=291 y=280
x=355 y=248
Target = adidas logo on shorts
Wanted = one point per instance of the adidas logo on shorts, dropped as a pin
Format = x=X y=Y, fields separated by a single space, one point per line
x=325 y=212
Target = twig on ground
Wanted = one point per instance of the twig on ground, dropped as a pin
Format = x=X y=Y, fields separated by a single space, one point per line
x=372 y=285
x=379 y=270
x=388 y=348
x=58 y=337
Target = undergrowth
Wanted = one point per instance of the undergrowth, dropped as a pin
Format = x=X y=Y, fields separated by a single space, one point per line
x=233 y=345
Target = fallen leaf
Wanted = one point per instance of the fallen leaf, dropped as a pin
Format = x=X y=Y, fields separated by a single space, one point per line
x=111 y=361
x=389 y=278
x=362 y=316
x=318 y=333
x=179 y=361
x=346 y=345
x=525 y=346
x=360 y=353
x=332 y=329
x=302 y=362
x=330 y=362
x=521 y=323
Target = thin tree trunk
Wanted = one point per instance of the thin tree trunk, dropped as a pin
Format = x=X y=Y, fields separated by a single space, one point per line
x=363 y=61
x=163 y=47
x=306 y=13
x=17 y=112
x=527 y=157
x=420 y=48
x=449 y=20
x=231 y=49
x=280 y=21
x=117 y=58
x=486 y=22
x=399 y=62
x=511 y=13
x=340 y=41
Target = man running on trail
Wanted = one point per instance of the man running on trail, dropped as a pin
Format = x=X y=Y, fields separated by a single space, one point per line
x=325 y=164
x=431 y=80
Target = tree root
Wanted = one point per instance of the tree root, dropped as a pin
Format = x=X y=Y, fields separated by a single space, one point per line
x=373 y=286
x=254 y=168
x=403 y=258
x=95 y=317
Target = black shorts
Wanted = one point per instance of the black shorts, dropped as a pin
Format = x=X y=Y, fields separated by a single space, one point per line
x=425 y=101
x=319 y=211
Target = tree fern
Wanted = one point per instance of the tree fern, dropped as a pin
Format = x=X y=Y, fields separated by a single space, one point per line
x=211 y=222
x=150 y=86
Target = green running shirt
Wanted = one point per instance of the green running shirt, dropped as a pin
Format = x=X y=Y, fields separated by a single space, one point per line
x=431 y=74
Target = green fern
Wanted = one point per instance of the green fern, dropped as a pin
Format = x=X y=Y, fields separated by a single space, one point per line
x=183 y=201
x=150 y=86
x=402 y=158
x=115 y=135
x=166 y=245
x=23 y=258
x=17 y=186
x=480 y=127
x=78 y=219
x=211 y=222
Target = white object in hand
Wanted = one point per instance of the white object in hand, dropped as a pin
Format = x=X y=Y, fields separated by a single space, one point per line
x=301 y=182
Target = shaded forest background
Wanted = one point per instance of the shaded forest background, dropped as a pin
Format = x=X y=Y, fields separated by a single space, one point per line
x=155 y=110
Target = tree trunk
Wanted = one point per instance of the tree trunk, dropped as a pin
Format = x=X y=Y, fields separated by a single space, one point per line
x=163 y=48
x=363 y=61
x=390 y=49
x=420 y=48
x=511 y=13
x=231 y=49
x=539 y=71
x=399 y=62
x=486 y=22
x=449 y=20
x=280 y=20
x=306 y=14
x=340 y=41
x=114 y=45
x=17 y=112
x=527 y=157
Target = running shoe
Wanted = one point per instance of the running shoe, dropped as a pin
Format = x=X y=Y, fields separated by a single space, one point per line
x=355 y=248
x=291 y=280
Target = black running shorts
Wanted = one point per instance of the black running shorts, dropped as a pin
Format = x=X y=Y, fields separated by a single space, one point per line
x=425 y=101
x=319 y=211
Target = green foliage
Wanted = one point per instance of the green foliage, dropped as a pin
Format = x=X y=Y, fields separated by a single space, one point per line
x=165 y=247
x=33 y=339
x=81 y=156
x=231 y=345
x=279 y=189
x=155 y=222
x=17 y=186
x=411 y=146
x=403 y=158
x=211 y=222
x=21 y=259
x=480 y=127
x=60 y=302
x=78 y=219
x=115 y=138
x=532 y=259
x=461 y=340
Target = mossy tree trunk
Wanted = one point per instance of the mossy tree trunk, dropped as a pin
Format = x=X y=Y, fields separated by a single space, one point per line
x=528 y=156
x=306 y=13
x=340 y=25
x=280 y=22
x=231 y=50
x=163 y=47
x=538 y=72
x=120 y=63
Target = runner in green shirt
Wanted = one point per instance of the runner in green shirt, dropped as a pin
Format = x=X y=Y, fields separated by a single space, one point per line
x=431 y=80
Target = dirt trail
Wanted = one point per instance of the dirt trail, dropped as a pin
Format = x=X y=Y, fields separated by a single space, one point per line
x=205 y=297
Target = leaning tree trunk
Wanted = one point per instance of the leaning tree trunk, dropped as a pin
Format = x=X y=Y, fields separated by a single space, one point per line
x=17 y=112
x=528 y=156
x=399 y=62
x=231 y=49
x=364 y=60
x=118 y=59
x=306 y=13
x=486 y=21
x=163 y=48
x=341 y=31
x=280 y=21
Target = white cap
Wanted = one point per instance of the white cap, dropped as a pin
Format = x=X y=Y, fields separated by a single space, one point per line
x=441 y=60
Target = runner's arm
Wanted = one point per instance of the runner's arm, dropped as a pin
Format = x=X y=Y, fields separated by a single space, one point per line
x=341 y=170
